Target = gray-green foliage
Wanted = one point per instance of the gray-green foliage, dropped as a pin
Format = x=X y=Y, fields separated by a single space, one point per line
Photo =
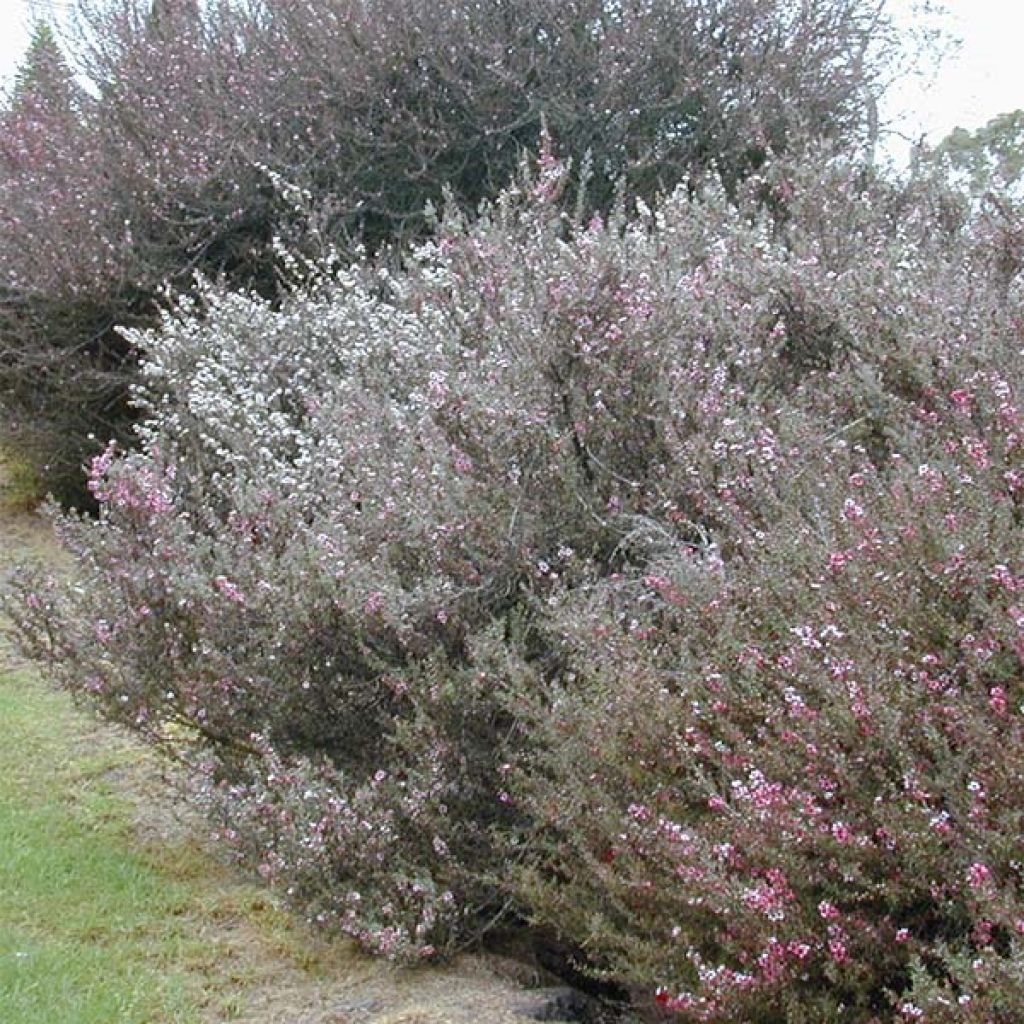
x=990 y=157
x=654 y=578
x=374 y=108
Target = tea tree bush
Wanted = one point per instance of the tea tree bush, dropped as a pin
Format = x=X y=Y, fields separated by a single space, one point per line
x=807 y=771
x=653 y=578
x=163 y=162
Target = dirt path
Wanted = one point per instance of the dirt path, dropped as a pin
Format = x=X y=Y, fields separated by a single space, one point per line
x=261 y=967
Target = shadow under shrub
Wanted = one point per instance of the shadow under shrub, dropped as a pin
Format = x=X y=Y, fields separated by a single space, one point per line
x=546 y=577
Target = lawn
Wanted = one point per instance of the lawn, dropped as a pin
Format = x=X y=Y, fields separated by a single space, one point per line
x=91 y=929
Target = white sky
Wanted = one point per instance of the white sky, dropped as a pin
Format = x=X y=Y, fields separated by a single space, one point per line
x=986 y=77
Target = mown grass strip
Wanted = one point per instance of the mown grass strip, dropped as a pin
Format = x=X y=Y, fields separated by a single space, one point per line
x=91 y=931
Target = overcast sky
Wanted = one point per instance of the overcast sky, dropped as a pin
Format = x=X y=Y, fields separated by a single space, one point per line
x=986 y=77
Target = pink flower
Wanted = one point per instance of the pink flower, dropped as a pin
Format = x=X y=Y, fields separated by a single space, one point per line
x=978 y=452
x=98 y=467
x=978 y=875
x=638 y=812
x=997 y=700
x=837 y=950
x=841 y=832
x=852 y=512
x=229 y=589
x=828 y=911
x=838 y=559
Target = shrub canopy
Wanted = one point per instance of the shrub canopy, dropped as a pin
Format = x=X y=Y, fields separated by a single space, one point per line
x=166 y=164
x=652 y=578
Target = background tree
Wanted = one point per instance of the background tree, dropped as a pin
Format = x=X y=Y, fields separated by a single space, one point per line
x=990 y=156
x=43 y=72
x=62 y=259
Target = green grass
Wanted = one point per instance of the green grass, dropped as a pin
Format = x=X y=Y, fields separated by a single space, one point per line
x=20 y=488
x=91 y=929
x=110 y=913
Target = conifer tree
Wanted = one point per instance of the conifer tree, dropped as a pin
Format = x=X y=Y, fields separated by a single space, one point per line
x=44 y=77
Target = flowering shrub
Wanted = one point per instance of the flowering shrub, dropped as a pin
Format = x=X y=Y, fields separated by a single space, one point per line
x=796 y=788
x=655 y=578
x=158 y=168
